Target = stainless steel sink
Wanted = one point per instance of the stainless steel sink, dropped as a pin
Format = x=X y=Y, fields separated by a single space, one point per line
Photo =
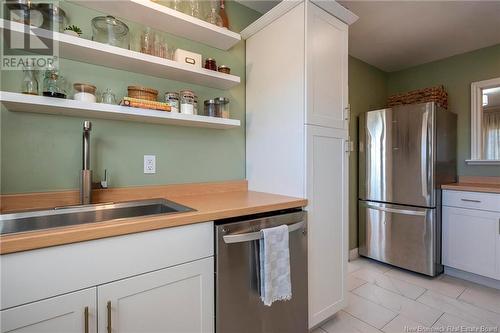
x=73 y=215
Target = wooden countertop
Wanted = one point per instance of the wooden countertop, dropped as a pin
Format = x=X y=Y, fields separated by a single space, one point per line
x=475 y=184
x=473 y=187
x=223 y=202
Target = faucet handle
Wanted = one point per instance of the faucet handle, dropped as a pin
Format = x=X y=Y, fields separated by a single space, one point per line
x=87 y=125
x=104 y=182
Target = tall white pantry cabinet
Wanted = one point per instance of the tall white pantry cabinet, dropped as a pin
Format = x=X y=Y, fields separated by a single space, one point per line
x=297 y=121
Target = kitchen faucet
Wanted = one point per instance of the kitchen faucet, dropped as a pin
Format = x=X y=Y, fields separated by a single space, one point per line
x=86 y=175
x=86 y=184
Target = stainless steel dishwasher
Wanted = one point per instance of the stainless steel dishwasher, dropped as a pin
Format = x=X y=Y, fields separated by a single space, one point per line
x=238 y=305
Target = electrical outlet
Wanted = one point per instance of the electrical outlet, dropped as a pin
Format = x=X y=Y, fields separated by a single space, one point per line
x=149 y=163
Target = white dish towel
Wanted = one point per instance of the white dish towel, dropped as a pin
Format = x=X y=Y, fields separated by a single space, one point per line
x=275 y=283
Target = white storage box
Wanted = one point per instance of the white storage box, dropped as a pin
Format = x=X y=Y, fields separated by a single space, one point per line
x=186 y=57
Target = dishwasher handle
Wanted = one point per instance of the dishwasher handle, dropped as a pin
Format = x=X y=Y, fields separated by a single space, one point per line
x=252 y=236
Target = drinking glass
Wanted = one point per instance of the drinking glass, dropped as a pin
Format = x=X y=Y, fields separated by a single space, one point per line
x=214 y=17
x=30 y=83
x=147 y=41
x=194 y=8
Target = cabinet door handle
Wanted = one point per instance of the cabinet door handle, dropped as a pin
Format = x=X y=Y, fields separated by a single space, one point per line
x=470 y=200
x=86 y=319
x=347 y=112
x=499 y=226
x=109 y=316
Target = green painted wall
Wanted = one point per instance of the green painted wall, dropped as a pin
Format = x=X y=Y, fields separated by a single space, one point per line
x=43 y=152
x=367 y=91
x=456 y=74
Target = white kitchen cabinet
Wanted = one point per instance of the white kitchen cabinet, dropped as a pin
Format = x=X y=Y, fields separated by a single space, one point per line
x=470 y=240
x=471 y=232
x=296 y=131
x=327 y=192
x=70 y=313
x=327 y=63
x=155 y=281
x=176 y=299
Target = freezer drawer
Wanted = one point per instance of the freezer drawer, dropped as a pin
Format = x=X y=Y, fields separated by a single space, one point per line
x=403 y=236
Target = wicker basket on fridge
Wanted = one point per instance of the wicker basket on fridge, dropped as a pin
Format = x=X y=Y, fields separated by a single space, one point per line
x=433 y=94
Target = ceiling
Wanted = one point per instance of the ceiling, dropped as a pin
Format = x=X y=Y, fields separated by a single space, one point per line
x=394 y=35
x=261 y=6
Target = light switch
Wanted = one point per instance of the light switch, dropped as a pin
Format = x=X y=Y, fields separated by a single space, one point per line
x=149 y=163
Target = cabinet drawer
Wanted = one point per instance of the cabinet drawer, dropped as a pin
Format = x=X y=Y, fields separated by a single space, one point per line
x=33 y=275
x=472 y=200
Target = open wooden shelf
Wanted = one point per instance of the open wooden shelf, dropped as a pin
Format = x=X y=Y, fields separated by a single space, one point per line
x=68 y=107
x=91 y=52
x=166 y=19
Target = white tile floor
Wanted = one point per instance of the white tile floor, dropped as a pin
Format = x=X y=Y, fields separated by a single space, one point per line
x=387 y=299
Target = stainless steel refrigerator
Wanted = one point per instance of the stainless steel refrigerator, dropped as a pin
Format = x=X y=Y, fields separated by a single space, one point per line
x=405 y=154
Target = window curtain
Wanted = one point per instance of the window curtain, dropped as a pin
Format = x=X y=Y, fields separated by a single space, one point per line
x=491 y=134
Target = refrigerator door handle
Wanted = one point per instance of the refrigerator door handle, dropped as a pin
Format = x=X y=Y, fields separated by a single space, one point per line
x=424 y=156
x=394 y=210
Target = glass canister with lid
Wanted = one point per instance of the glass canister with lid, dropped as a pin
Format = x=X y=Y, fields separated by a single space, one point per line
x=84 y=92
x=186 y=98
x=172 y=99
x=222 y=105
x=209 y=108
x=109 y=30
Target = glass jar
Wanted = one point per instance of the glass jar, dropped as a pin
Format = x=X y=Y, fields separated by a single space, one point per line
x=172 y=99
x=84 y=92
x=209 y=108
x=222 y=107
x=211 y=64
x=160 y=47
x=195 y=104
x=187 y=101
x=30 y=83
x=109 y=30
x=54 y=17
x=224 y=69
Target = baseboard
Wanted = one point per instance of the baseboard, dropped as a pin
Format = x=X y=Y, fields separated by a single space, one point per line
x=353 y=254
x=485 y=281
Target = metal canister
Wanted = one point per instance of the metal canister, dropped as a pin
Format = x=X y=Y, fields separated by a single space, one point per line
x=172 y=99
